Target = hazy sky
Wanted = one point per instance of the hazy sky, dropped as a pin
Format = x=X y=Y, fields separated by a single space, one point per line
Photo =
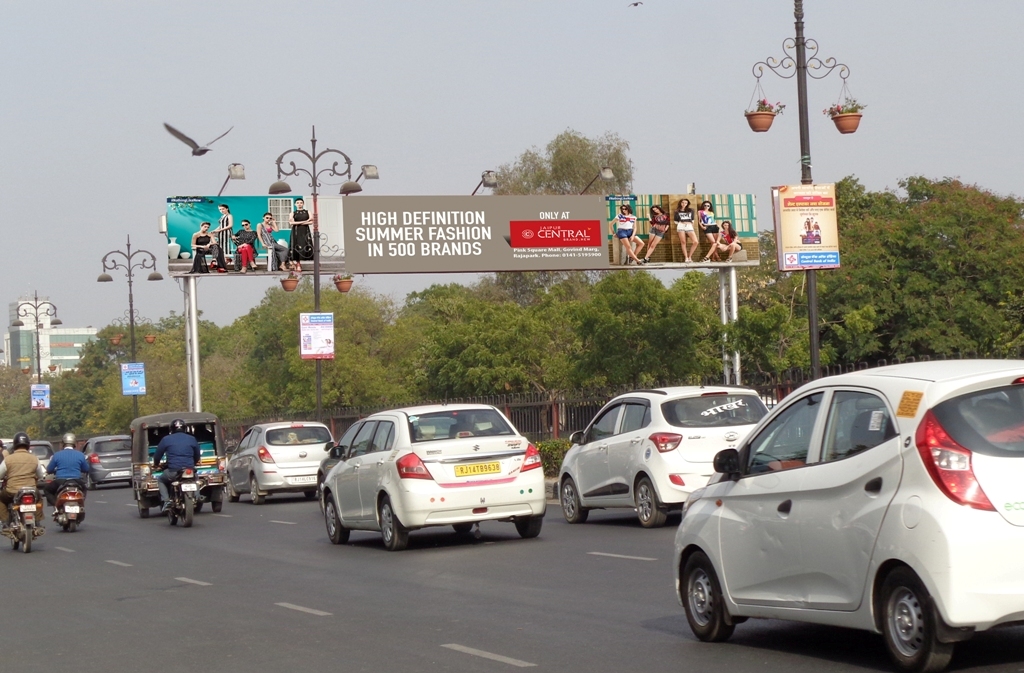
x=435 y=92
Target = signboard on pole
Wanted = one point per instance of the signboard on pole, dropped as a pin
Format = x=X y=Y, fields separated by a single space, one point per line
x=40 y=396
x=316 y=336
x=133 y=378
x=806 y=230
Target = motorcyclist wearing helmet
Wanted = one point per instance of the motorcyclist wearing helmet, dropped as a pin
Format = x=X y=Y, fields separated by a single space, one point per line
x=20 y=470
x=68 y=464
x=182 y=451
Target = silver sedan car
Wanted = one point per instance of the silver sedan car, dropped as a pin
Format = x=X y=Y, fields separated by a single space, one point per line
x=277 y=458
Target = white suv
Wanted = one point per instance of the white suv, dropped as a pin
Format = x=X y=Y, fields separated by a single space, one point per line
x=889 y=500
x=649 y=449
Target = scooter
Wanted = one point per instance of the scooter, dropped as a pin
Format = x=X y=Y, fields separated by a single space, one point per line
x=184 y=493
x=23 y=519
x=70 y=508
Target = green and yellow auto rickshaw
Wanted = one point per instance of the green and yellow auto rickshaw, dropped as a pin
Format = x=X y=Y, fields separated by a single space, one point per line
x=147 y=431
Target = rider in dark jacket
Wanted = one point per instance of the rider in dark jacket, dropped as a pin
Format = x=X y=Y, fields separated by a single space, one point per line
x=68 y=464
x=182 y=451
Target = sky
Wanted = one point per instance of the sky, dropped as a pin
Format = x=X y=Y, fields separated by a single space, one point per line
x=435 y=92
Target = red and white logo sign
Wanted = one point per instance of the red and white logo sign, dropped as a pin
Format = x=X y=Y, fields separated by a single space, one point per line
x=556 y=234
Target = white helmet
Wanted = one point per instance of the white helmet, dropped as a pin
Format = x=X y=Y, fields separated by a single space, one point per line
x=69 y=439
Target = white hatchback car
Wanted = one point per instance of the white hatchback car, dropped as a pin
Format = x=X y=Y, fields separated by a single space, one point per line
x=434 y=465
x=649 y=449
x=889 y=500
x=277 y=458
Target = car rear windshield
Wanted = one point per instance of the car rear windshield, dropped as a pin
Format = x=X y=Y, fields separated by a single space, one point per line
x=457 y=424
x=306 y=435
x=113 y=445
x=714 y=411
x=990 y=422
x=41 y=450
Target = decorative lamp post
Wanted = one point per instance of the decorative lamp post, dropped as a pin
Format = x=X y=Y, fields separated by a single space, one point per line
x=488 y=179
x=606 y=174
x=341 y=166
x=797 y=63
x=129 y=263
x=37 y=310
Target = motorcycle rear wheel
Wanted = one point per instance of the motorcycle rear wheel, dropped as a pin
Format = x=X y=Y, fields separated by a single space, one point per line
x=26 y=544
x=72 y=526
x=186 y=519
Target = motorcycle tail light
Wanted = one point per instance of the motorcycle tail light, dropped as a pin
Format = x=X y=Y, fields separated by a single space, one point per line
x=28 y=499
x=187 y=473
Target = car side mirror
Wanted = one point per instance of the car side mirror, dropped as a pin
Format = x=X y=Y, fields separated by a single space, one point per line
x=328 y=446
x=576 y=437
x=337 y=451
x=727 y=462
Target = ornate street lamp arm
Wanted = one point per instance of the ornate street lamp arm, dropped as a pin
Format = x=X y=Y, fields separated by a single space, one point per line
x=111 y=263
x=785 y=67
x=314 y=178
x=38 y=309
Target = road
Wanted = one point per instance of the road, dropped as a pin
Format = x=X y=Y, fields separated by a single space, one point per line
x=262 y=588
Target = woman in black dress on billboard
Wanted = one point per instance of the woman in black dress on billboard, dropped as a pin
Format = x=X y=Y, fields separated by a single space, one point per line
x=300 y=246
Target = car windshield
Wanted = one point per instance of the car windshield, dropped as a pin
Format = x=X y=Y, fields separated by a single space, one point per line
x=714 y=411
x=302 y=435
x=456 y=424
x=990 y=422
x=113 y=445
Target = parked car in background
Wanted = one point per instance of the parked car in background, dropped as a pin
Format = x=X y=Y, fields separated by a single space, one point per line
x=441 y=465
x=888 y=500
x=649 y=449
x=277 y=458
x=41 y=449
x=110 y=460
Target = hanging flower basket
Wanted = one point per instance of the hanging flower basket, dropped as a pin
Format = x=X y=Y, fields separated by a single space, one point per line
x=291 y=281
x=760 y=121
x=52 y=368
x=116 y=339
x=25 y=370
x=847 y=123
x=846 y=115
x=343 y=283
x=150 y=338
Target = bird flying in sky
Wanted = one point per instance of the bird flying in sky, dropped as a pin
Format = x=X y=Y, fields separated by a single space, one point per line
x=634 y=4
x=197 y=151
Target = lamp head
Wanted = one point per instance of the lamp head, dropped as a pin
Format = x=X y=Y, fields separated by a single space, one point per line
x=17 y=323
x=155 y=276
x=607 y=174
x=351 y=187
x=489 y=179
x=236 y=172
x=56 y=321
x=104 y=278
x=280 y=187
x=370 y=172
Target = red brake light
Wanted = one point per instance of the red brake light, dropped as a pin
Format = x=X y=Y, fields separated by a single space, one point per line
x=949 y=464
x=411 y=467
x=665 y=441
x=677 y=479
x=28 y=499
x=264 y=455
x=1018 y=381
x=531 y=460
x=713 y=394
x=187 y=473
x=94 y=458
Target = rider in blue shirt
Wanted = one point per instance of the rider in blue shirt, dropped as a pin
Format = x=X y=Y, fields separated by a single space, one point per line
x=68 y=464
x=182 y=451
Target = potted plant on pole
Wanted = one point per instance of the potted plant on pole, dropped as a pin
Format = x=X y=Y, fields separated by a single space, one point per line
x=762 y=116
x=343 y=282
x=846 y=115
x=290 y=281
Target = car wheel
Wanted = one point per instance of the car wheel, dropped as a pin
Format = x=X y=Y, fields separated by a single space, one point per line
x=529 y=526
x=335 y=531
x=462 y=528
x=396 y=536
x=909 y=624
x=648 y=508
x=254 y=492
x=199 y=506
x=309 y=494
x=571 y=508
x=217 y=506
x=233 y=495
x=89 y=483
x=703 y=600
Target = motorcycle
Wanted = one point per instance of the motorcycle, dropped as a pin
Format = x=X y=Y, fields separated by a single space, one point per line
x=70 y=508
x=184 y=494
x=23 y=519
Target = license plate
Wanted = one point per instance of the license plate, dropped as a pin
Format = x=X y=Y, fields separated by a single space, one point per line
x=119 y=473
x=303 y=480
x=477 y=468
x=188 y=487
x=27 y=508
x=72 y=509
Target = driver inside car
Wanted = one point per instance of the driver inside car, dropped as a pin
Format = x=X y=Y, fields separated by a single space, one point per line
x=182 y=451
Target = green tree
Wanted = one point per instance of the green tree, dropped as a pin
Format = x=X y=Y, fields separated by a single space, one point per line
x=567 y=165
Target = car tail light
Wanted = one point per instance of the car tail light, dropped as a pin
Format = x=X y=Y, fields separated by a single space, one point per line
x=1018 y=381
x=222 y=464
x=677 y=479
x=28 y=499
x=713 y=394
x=94 y=458
x=532 y=459
x=187 y=473
x=264 y=455
x=411 y=467
x=665 y=441
x=949 y=464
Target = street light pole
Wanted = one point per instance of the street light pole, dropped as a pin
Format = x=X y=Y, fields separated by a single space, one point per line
x=800 y=66
x=129 y=265
x=38 y=310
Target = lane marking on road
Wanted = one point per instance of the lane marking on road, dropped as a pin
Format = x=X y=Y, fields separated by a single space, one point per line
x=100 y=502
x=290 y=606
x=118 y=563
x=191 y=581
x=127 y=504
x=226 y=516
x=489 y=655
x=289 y=523
x=630 y=558
x=71 y=551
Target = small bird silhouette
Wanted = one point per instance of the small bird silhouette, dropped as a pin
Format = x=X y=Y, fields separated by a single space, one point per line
x=634 y=4
x=197 y=151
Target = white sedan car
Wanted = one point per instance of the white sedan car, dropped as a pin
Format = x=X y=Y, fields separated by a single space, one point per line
x=889 y=500
x=435 y=465
x=649 y=449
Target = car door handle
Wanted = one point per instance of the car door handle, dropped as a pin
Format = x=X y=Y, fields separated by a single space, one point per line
x=874 y=486
x=601 y=447
x=636 y=440
x=355 y=468
x=380 y=462
x=785 y=507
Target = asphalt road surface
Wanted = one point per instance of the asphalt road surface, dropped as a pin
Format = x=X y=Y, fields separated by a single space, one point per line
x=262 y=588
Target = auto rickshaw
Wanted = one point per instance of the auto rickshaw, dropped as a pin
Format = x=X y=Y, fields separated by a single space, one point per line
x=147 y=431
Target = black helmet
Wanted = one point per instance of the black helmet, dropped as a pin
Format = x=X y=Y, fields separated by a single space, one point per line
x=21 y=441
x=177 y=425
